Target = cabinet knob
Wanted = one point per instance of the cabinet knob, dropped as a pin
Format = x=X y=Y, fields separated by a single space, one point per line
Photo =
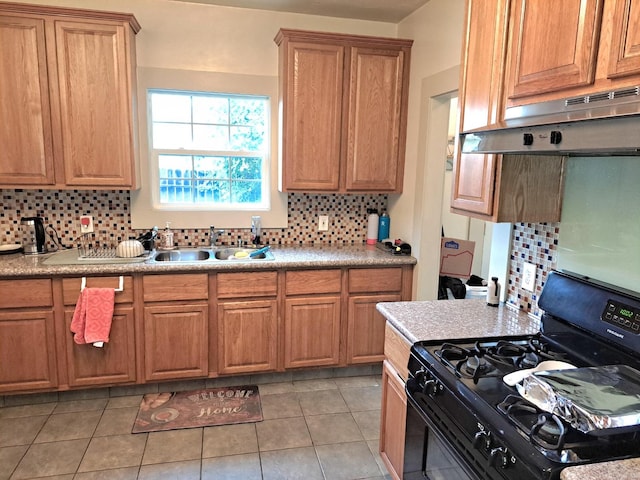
x=527 y=139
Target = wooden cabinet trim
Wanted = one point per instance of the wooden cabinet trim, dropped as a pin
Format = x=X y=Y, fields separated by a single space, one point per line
x=371 y=280
x=306 y=282
x=247 y=284
x=71 y=288
x=167 y=287
x=19 y=293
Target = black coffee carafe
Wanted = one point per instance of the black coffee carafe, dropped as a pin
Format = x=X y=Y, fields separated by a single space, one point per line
x=33 y=235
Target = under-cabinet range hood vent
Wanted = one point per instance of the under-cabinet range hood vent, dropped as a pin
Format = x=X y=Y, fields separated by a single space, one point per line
x=606 y=123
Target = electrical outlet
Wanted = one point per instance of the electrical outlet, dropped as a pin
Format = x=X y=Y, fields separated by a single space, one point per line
x=528 y=276
x=323 y=223
x=86 y=224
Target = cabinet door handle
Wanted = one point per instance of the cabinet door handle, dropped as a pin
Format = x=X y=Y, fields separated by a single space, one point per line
x=120 y=288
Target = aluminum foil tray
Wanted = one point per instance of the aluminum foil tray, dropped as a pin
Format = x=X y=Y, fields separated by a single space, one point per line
x=594 y=400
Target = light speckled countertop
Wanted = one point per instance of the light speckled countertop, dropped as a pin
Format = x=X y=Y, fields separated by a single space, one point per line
x=451 y=319
x=286 y=257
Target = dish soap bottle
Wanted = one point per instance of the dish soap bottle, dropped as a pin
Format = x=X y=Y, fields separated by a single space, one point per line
x=167 y=238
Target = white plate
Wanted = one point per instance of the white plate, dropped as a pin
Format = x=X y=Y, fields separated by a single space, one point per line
x=10 y=248
x=513 y=378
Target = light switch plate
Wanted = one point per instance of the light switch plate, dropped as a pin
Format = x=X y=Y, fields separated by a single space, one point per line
x=323 y=223
x=528 y=276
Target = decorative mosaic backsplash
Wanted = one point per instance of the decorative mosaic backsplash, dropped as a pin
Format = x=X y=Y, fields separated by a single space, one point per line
x=110 y=209
x=535 y=243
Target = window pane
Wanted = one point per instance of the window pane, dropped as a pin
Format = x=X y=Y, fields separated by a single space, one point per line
x=211 y=167
x=171 y=107
x=247 y=111
x=246 y=168
x=246 y=138
x=213 y=191
x=210 y=109
x=211 y=137
x=246 y=192
x=171 y=135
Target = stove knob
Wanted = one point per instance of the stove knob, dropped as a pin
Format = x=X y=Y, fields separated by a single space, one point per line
x=430 y=388
x=482 y=439
x=499 y=457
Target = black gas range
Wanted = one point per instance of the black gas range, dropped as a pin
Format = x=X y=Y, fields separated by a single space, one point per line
x=464 y=422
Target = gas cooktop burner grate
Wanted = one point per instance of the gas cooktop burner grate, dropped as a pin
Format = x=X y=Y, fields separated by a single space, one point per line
x=490 y=359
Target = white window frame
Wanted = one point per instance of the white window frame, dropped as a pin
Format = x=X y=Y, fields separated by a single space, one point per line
x=144 y=207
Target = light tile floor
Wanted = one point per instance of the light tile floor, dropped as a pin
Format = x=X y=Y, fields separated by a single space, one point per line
x=313 y=429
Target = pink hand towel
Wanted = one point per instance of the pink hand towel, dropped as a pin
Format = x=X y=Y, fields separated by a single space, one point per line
x=93 y=315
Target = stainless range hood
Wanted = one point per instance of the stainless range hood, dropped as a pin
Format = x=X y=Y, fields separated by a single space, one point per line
x=606 y=123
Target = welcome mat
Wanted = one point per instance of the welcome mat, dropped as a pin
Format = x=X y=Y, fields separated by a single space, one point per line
x=198 y=408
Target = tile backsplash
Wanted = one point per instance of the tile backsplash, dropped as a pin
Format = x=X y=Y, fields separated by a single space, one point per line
x=110 y=209
x=535 y=243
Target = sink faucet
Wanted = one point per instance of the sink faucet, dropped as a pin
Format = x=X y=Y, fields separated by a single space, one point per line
x=213 y=235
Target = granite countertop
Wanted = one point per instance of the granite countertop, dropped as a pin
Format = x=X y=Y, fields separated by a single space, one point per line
x=286 y=257
x=451 y=319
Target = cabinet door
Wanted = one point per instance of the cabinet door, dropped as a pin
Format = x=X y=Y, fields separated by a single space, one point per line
x=247 y=336
x=95 y=103
x=625 y=48
x=175 y=341
x=27 y=351
x=115 y=362
x=365 y=338
x=474 y=177
x=553 y=45
x=312 y=116
x=375 y=132
x=312 y=331
x=392 y=421
x=25 y=116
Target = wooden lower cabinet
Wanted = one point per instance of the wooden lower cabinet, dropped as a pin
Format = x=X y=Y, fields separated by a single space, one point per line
x=365 y=335
x=113 y=363
x=175 y=341
x=247 y=336
x=312 y=331
x=27 y=351
x=392 y=421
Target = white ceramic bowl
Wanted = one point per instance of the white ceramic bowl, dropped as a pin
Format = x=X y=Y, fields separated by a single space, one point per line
x=129 y=249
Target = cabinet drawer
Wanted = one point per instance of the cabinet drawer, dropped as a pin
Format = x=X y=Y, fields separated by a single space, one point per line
x=26 y=293
x=247 y=284
x=397 y=350
x=375 y=280
x=313 y=281
x=161 y=288
x=71 y=288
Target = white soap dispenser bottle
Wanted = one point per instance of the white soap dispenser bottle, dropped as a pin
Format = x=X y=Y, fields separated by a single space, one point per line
x=167 y=238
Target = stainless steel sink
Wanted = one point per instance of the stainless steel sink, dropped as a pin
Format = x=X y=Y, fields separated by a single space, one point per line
x=182 y=256
x=238 y=254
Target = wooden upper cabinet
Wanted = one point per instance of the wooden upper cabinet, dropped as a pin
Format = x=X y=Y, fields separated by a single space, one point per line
x=25 y=137
x=553 y=45
x=373 y=156
x=625 y=45
x=95 y=89
x=343 y=100
x=67 y=80
x=312 y=113
x=580 y=48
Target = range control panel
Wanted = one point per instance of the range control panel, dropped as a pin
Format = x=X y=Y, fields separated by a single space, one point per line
x=622 y=316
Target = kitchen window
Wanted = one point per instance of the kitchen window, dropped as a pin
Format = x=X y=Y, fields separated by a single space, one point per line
x=209 y=150
x=212 y=150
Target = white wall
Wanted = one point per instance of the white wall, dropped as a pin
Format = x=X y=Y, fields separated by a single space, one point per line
x=194 y=36
x=416 y=214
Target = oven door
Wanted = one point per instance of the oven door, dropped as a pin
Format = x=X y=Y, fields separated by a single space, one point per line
x=427 y=454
